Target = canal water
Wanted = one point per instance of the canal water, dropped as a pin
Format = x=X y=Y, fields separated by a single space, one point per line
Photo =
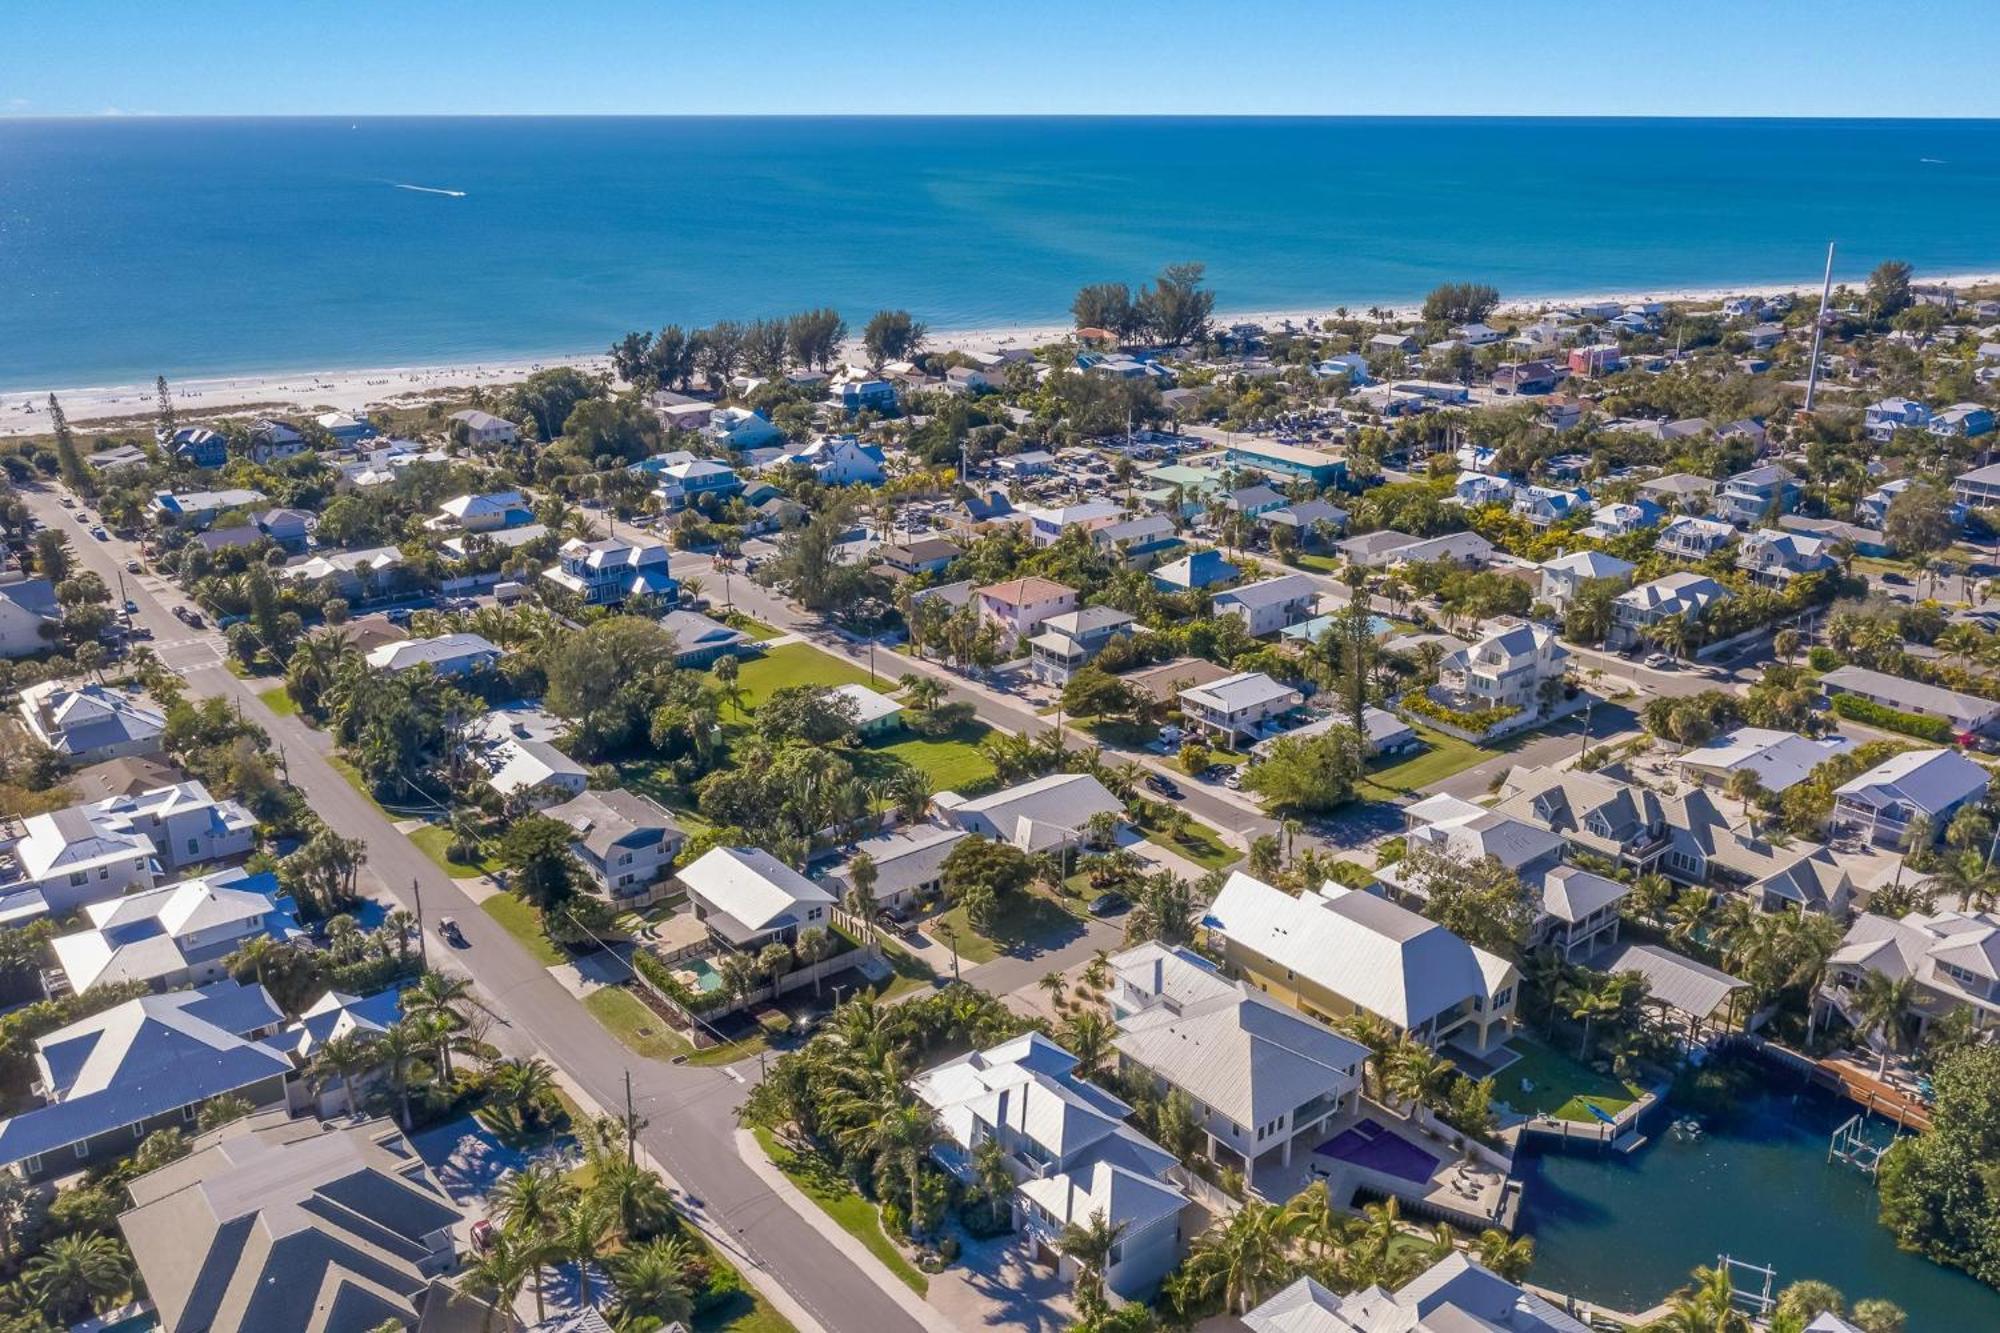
x=1625 y=1230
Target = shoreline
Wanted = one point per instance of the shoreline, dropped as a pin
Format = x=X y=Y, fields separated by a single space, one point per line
x=23 y=410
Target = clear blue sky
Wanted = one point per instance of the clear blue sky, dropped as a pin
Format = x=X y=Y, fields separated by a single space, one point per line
x=1686 y=57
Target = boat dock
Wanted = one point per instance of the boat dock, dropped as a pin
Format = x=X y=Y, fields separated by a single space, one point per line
x=1873 y=1093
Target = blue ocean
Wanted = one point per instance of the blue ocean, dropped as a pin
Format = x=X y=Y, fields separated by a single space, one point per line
x=131 y=247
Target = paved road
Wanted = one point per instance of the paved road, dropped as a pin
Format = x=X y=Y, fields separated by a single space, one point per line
x=690 y=1111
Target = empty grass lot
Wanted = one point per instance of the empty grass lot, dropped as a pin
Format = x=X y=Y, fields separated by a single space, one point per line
x=520 y=920
x=1560 y=1086
x=279 y=701
x=434 y=841
x=1202 y=846
x=1441 y=757
x=626 y=1017
x=821 y=1182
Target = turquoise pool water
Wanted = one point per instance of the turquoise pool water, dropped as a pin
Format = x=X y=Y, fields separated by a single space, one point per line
x=138 y=1323
x=706 y=978
x=1626 y=1230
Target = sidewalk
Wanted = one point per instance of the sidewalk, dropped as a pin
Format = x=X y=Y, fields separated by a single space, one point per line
x=752 y=1153
x=767 y=1283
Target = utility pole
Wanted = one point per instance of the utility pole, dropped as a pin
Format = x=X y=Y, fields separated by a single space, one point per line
x=1819 y=330
x=632 y=1123
x=423 y=936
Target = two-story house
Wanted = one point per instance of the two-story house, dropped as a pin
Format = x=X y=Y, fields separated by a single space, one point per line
x=1962 y=421
x=1881 y=420
x=624 y=842
x=1929 y=785
x=1268 y=605
x=1774 y=558
x=1545 y=506
x=1073 y=1156
x=1953 y=957
x=1637 y=610
x=1564 y=576
x=1065 y=644
x=1018 y=607
x=175 y=935
x=840 y=460
x=1233 y=711
x=1509 y=668
x=186 y=824
x=1761 y=493
x=612 y=570
x=1264 y=1080
x=483 y=429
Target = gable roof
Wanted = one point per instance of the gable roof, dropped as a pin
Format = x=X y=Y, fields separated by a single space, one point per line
x=751 y=885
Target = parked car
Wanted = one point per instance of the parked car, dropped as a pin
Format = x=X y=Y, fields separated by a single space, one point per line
x=1109 y=904
x=100 y=534
x=131 y=607
x=1163 y=785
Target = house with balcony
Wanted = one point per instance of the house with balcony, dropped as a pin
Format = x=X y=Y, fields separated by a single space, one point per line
x=839 y=460
x=1952 y=956
x=863 y=394
x=1456 y=1293
x=1979 y=488
x=199 y=446
x=1593 y=813
x=1065 y=644
x=1515 y=668
x=694 y=480
x=738 y=428
x=1930 y=785
x=1268 y=605
x=173 y=936
x=1072 y=1155
x=1545 y=506
x=89 y=723
x=1565 y=576
x=186 y=824
x=1761 y=493
x=1637 y=610
x=1047 y=524
x=625 y=842
x=52 y=864
x=1528 y=377
x=1141 y=542
x=1774 y=558
x=612 y=570
x=273 y=441
x=106 y=1081
x=1233 y=711
x=1881 y=419
x=1343 y=951
x=484 y=430
x=1474 y=489
x=1019 y=607
x=1619 y=519
x=1289 y=461
x=1265 y=1081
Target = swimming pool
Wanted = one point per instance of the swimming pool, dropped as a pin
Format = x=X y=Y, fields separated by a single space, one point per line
x=1367 y=1143
x=706 y=978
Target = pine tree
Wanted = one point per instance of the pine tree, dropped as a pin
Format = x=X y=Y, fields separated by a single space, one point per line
x=166 y=408
x=74 y=473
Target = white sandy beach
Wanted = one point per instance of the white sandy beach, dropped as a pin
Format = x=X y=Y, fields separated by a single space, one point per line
x=24 y=411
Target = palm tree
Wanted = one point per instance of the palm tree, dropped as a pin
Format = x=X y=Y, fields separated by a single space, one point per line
x=531 y=1203
x=1242 y=1260
x=1379 y=1036
x=639 y=1199
x=505 y=1267
x=1088 y=1036
x=1880 y=1002
x=1310 y=1218
x=340 y=1059
x=1089 y=1245
x=580 y=1235
x=437 y=1000
x=860 y=900
x=814 y=946
x=1417 y=1074
x=897 y=1142
x=525 y=1085
x=399 y=1048
x=1509 y=1256
x=73 y=1273
x=16 y=1198
x=1689 y=914
x=1745 y=786
x=995 y=1177
x=654 y=1282
x=1054 y=983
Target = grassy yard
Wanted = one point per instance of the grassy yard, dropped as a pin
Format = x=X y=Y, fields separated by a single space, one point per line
x=746 y=1312
x=434 y=841
x=1562 y=1087
x=837 y=1197
x=952 y=763
x=1203 y=845
x=279 y=701
x=1023 y=918
x=752 y=626
x=626 y=1017
x=798 y=664
x=521 y=921
x=1441 y=757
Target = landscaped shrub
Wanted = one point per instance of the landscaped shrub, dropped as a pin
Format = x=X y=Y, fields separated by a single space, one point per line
x=1822 y=658
x=1472 y=719
x=662 y=976
x=1857 y=709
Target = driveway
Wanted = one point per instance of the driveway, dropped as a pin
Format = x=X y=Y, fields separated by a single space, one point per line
x=470 y=1159
x=997 y=1284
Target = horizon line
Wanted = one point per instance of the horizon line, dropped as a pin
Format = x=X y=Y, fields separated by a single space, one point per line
x=118 y=115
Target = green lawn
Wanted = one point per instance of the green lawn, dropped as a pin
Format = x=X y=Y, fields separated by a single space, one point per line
x=1441 y=757
x=434 y=841
x=1325 y=564
x=798 y=664
x=279 y=701
x=522 y=922
x=752 y=626
x=1204 y=846
x=1023 y=918
x=837 y=1197
x=952 y=763
x=627 y=1018
x=747 y=1312
x=1562 y=1087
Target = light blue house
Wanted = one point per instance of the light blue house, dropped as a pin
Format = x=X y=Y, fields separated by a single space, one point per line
x=873 y=395
x=1289 y=460
x=1200 y=570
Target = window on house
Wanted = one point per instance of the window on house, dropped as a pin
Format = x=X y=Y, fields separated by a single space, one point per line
x=82 y=1150
x=80 y=877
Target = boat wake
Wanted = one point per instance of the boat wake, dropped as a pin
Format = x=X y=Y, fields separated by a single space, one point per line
x=429 y=189
x=1934 y=161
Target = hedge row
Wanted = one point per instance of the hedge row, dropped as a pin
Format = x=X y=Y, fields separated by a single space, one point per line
x=1858 y=709
x=1420 y=702
x=662 y=976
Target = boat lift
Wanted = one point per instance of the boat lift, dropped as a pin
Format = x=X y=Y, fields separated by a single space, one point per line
x=1851 y=1144
x=1760 y=1302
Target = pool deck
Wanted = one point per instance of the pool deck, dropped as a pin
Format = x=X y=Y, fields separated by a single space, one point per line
x=1461 y=1189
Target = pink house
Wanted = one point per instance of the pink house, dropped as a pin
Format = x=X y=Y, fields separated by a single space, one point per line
x=1018 y=606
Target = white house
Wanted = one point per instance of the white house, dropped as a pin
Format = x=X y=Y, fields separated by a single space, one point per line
x=1263 y=1079
x=1454 y=1295
x=1683 y=594
x=875 y=714
x=1042 y=815
x=738 y=428
x=1342 y=951
x=172 y=936
x=482 y=513
x=186 y=824
x=1776 y=558
x=1019 y=606
x=1067 y=643
x=89 y=723
x=1779 y=759
x=1880 y=420
x=1509 y=668
x=749 y=898
x=1268 y=605
x=624 y=841
x=1233 y=710
x=1692 y=538
x=1954 y=958
x=446 y=654
x=483 y=428
x=30 y=617
x=1563 y=576
x=1070 y=1150
x=840 y=460
x=610 y=570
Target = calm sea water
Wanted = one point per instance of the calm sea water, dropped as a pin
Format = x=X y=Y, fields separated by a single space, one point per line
x=1627 y=1230
x=134 y=247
